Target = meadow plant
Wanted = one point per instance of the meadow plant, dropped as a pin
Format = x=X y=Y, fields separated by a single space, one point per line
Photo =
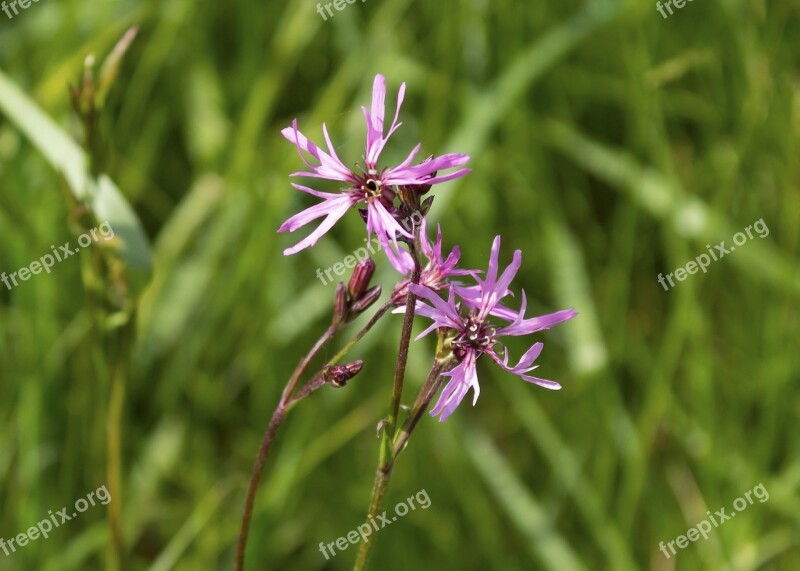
x=469 y=321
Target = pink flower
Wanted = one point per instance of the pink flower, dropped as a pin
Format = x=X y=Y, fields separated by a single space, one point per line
x=438 y=270
x=475 y=334
x=371 y=185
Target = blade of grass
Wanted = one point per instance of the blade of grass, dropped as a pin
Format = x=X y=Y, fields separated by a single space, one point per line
x=530 y=518
x=66 y=157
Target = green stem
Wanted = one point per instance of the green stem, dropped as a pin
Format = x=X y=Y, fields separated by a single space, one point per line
x=305 y=361
x=386 y=456
x=289 y=399
x=384 y=471
x=376 y=502
x=114 y=468
x=370 y=324
x=426 y=394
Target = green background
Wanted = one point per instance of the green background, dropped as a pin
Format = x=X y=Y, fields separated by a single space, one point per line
x=608 y=143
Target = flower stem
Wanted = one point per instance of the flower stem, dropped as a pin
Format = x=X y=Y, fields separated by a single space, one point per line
x=288 y=400
x=114 y=469
x=313 y=385
x=386 y=456
x=426 y=394
x=384 y=472
x=255 y=478
x=405 y=341
x=379 y=488
x=266 y=443
x=304 y=362
x=370 y=324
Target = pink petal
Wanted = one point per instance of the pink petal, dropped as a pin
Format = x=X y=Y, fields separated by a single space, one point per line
x=446 y=310
x=463 y=377
x=534 y=324
x=332 y=209
x=329 y=167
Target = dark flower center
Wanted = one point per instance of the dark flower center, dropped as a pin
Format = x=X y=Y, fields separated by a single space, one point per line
x=371 y=187
x=369 y=184
x=476 y=335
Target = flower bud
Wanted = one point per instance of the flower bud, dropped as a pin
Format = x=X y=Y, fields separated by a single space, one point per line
x=364 y=302
x=340 y=304
x=426 y=205
x=400 y=292
x=362 y=274
x=338 y=375
x=410 y=194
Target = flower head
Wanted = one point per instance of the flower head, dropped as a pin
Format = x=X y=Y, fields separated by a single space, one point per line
x=475 y=334
x=437 y=271
x=368 y=183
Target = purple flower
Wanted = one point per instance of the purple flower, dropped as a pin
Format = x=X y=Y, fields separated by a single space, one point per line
x=370 y=184
x=474 y=334
x=436 y=273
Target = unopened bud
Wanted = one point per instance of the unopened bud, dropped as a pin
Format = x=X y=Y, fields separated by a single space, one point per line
x=338 y=375
x=411 y=193
x=400 y=293
x=340 y=303
x=362 y=274
x=364 y=302
x=426 y=205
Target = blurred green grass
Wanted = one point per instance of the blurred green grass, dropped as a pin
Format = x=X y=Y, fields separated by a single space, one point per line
x=609 y=144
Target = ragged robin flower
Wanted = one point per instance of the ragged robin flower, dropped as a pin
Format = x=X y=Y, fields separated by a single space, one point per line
x=368 y=184
x=438 y=270
x=476 y=333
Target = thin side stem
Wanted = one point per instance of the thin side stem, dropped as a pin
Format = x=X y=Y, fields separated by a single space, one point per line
x=317 y=381
x=255 y=478
x=370 y=324
x=287 y=402
x=426 y=394
x=266 y=442
x=313 y=385
x=305 y=361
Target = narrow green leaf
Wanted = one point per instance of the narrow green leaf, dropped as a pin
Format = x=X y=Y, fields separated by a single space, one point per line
x=66 y=157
